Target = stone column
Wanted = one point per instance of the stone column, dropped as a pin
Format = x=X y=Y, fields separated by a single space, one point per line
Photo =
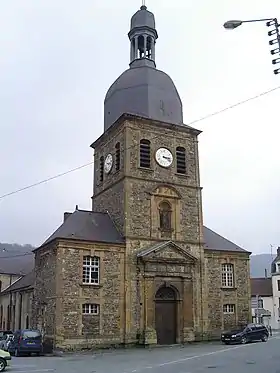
x=153 y=48
x=150 y=336
x=136 y=47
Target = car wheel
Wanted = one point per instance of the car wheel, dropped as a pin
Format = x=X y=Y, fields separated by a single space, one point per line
x=17 y=354
x=264 y=338
x=3 y=364
x=243 y=340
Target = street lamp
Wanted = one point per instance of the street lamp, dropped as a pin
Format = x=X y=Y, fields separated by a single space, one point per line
x=270 y=22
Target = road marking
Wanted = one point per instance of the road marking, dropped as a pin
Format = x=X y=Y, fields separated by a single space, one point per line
x=36 y=370
x=194 y=357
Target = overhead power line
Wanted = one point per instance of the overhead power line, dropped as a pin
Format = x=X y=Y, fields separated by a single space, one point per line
x=189 y=124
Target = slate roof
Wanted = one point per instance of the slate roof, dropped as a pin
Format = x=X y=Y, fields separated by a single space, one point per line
x=213 y=241
x=261 y=286
x=26 y=282
x=88 y=226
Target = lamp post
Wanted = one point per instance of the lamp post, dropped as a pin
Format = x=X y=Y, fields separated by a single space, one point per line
x=270 y=22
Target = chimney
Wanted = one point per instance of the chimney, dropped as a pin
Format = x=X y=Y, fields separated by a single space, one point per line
x=265 y=273
x=77 y=207
x=66 y=216
x=278 y=251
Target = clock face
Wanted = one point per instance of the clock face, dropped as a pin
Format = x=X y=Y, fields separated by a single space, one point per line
x=164 y=157
x=108 y=163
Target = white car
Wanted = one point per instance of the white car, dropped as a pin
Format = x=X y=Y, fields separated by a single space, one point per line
x=5 y=359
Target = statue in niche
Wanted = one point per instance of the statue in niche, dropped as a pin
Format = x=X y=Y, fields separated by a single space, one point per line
x=165 y=213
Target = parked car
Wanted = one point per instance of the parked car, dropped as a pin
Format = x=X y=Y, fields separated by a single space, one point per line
x=26 y=341
x=249 y=333
x=5 y=358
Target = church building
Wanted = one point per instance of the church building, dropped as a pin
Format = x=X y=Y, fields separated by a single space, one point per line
x=140 y=267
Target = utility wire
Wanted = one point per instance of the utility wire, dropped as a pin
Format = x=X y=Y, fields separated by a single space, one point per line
x=90 y=163
x=132 y=146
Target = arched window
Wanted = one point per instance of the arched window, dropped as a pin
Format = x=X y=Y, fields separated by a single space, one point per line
x=145 y=153
x=165 y=215
x=101 y=168
x=181 y=160
x=118 y=156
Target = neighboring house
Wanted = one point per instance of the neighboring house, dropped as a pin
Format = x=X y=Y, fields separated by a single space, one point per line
x=262 y=301
x=12 y=267
x=16 y=303
x=275 y=273
x=140 y=268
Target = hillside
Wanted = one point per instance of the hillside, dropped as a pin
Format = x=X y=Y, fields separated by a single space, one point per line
x=17 y=259
x=259 y=263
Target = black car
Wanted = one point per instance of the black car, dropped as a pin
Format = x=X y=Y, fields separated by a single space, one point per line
x=249 y=333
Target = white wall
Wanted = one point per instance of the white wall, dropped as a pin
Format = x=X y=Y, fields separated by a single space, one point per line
x=267 y=305
x=276 y=298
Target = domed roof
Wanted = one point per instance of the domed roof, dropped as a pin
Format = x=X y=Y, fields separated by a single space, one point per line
x=143 y=18
x=143 y=91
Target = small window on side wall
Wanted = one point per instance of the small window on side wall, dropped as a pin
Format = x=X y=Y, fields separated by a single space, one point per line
x=118 y=156
x=181 y=160
x=90 y=309
x=145 y=153
x=229 y=308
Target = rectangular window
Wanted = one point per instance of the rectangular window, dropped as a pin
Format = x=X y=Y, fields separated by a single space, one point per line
x=145 y=153
x=90 y=309
x=227 y=276
x=91 y=269
x=181 y=160
x=278 y=284
x=118 y=156
x=101 y=170
x=228 y=308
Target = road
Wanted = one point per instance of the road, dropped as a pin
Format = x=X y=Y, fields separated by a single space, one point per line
x=198 y=358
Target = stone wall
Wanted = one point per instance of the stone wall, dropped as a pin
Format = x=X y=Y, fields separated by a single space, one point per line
x=45 y=292
x=74 y=329
x=239 y=295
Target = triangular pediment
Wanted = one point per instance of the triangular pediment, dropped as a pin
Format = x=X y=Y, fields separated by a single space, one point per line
x=166 y=251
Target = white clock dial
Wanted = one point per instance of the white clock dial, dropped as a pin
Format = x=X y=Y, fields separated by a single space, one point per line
x=108 y=163
x=164 y=157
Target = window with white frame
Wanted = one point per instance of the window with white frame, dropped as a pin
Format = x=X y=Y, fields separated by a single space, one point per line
x=227 y=275
x=90 y=309
x=91 y=270
x=228 y=308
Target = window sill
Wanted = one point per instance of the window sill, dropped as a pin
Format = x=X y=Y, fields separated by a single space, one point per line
x=97 y=286
x=145 y=169
x=184 y=176
x=233 y=288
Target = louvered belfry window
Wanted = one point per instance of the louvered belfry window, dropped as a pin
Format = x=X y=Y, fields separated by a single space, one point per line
x=145 y=153
x=181 y=160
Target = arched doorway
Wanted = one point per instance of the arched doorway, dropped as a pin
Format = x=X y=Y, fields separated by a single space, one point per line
x=165 y=316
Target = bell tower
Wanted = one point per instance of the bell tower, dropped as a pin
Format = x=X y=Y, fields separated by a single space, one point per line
x=146 y=162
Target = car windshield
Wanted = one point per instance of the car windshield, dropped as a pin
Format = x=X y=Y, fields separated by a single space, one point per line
x=31 y=334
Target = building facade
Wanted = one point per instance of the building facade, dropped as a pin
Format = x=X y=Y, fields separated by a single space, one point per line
x=275 y=274
x=140 y=268
x=262 y=301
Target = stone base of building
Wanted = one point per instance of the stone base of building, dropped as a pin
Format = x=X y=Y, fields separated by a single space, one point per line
x=146 y=338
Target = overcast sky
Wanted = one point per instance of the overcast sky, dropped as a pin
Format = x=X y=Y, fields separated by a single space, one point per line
x=59 y=57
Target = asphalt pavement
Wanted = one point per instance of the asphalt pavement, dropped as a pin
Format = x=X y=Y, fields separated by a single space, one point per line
x=256 y=357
